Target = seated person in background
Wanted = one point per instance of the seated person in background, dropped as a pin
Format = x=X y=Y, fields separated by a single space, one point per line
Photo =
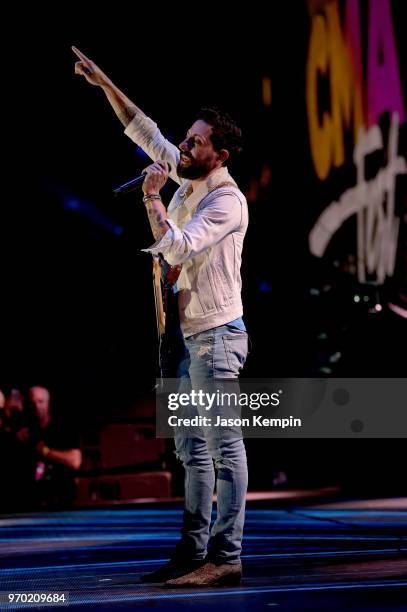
x=15 y=453
x=58 y=455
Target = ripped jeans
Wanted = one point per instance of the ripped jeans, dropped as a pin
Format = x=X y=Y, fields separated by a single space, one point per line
x=217 y=353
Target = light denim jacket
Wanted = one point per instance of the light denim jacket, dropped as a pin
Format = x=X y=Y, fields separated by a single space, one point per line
x=207 y=228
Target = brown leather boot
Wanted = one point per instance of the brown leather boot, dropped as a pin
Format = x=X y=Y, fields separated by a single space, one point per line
x=173 y=569
x=209 y=575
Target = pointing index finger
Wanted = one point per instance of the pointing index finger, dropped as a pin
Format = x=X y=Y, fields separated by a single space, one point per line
x=79 y=54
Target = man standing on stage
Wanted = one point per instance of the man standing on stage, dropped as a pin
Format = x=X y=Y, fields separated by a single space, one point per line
x=202 y=230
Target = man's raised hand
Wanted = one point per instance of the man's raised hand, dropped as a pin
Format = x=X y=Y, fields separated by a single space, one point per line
x=92 y=73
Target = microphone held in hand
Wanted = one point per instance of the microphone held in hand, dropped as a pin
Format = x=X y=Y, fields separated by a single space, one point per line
x=133 y=184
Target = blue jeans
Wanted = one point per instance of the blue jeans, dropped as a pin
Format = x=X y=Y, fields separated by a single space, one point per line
x=214 y=354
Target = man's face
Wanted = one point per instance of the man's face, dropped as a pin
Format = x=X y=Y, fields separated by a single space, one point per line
x=39 y=397
x=198 y=156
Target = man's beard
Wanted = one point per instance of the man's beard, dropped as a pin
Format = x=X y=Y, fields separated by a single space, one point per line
x=193 y=170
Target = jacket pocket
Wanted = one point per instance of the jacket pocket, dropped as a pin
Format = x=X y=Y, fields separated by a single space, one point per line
x=223 y=285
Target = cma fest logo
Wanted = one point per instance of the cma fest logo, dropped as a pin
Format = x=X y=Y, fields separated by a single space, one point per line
x=335 y=54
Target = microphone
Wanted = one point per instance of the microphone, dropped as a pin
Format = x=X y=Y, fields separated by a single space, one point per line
x=133 y=184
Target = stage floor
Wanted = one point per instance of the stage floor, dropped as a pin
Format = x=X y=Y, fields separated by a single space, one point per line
x=296 y=558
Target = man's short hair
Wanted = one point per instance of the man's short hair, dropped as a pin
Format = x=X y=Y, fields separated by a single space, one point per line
x=225 y=133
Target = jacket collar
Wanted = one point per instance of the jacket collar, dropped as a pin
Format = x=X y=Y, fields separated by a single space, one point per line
x=186 y=195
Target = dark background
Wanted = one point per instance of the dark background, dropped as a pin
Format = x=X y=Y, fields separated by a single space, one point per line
x=76 y=303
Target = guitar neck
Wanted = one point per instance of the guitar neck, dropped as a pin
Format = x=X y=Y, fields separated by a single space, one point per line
x=158 y=296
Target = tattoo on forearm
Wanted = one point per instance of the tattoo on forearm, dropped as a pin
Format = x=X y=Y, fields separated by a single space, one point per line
x=127 y=114
x=158 y=224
